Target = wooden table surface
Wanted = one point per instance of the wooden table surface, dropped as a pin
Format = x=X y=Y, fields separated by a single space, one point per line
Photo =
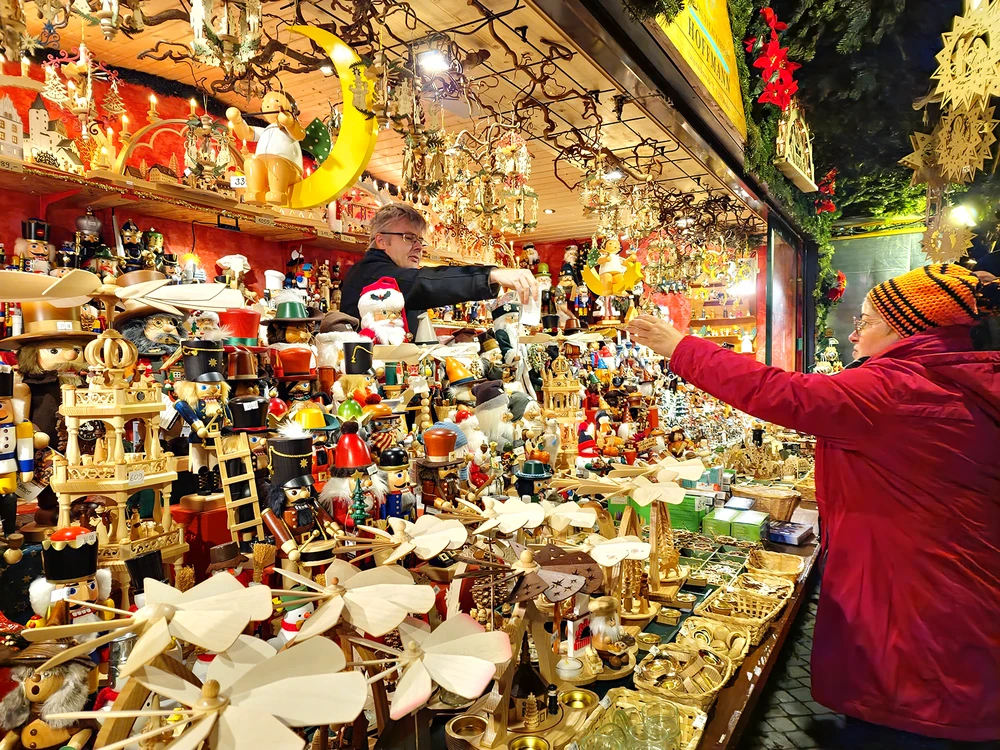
x=731 y=713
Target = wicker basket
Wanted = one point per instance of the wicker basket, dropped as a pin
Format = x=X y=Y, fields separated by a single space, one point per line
x=779 y=502
x=702 y=700
x=692 y=720
x=781 y=588
x=807 y=486
x=780 y=564
x=737 y=650
x=749 y=611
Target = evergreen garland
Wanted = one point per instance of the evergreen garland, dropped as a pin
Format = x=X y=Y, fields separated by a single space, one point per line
x=650 y=10
x=762 y=134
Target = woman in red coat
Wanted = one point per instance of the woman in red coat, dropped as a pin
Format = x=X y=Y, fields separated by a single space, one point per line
x=908 y=484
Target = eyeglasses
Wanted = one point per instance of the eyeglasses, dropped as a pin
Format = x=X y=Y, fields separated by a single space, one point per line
x=861 y=324
x=409 y=237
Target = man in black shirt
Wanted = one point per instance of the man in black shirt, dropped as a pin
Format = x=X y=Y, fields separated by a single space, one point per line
x=395 y=249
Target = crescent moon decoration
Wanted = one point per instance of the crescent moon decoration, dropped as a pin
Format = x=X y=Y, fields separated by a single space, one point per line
x=355 y=143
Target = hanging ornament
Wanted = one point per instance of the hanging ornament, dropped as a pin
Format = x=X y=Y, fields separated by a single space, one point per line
x=969 y=62
x=923 y=161
x=945 y=243
x=112 y=101
x=963 y=141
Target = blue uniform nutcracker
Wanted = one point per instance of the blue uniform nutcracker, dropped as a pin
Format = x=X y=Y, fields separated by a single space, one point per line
x=394 y=463
x=17 y=451
x=202 y=401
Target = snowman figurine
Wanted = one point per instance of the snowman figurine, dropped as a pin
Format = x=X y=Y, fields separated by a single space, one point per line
x=295 y=614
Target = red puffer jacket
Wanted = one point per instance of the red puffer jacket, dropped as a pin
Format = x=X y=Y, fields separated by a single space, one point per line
x=908 y=484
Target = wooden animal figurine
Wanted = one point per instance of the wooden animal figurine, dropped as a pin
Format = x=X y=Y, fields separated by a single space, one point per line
x=277 y=164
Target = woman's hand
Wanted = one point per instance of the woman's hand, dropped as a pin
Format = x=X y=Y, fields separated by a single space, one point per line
x=656 y=333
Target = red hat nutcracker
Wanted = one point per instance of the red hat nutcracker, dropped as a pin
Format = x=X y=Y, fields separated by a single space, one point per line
x=383 y=318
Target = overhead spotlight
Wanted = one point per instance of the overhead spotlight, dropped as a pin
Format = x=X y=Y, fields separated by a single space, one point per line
x=433 y=61
x=614 y=174
x=964 y=215
x=549 y=211
x=326 y=70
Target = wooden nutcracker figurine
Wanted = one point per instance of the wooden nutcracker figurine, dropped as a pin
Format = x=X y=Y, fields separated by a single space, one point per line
x=202 y=401
x=17 y=451
x=292 y=513
x=32 y=250
x=394 y=463
x=71 y=582
x=277 y=164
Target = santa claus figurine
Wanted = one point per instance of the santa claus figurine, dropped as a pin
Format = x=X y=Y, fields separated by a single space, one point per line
x=383 y=318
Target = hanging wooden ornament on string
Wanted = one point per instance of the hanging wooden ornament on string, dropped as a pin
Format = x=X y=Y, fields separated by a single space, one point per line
x=963 y=141
x=945 y=243
x=969 y=62
x=923 y=162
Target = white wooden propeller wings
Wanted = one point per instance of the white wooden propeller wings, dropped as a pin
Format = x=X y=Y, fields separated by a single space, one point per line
x=251 y=698
x=561 y=516
x=505 y=517
x=77 y=288
x=459 y=655
x=374 y=601
x=428 y=537
x=210 y=615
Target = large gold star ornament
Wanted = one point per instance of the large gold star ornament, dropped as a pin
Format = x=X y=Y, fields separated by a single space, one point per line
x=969 y=62
x=923 y=162
x=946 y=243
x=963 y=141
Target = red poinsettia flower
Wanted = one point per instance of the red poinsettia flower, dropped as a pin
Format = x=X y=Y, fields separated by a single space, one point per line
x=774 y=61
x=828 y=185
x=749 y=44
x=837 y=291
x=825 y=206
x=771 y=19
x=779 y=93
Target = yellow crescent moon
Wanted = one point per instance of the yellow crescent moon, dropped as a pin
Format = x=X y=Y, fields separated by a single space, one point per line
x=356 y=141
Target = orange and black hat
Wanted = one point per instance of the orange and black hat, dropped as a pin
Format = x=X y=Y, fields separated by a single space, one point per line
x=927 y=297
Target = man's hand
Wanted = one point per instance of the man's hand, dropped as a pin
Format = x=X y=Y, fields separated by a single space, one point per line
x=518 y=279
x=656 y=333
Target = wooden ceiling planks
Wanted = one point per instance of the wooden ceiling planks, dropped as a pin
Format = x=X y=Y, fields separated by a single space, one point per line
x=499 y=83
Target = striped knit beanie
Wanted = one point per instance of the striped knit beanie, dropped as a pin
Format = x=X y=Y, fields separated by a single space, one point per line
x=927 y=297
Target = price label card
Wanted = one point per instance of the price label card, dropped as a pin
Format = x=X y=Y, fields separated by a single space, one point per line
x=238 y=181
x=28 y=491
x=136 y=477
x=12 y=165
x=267 y=221
x=325 y=233
x=372 y=470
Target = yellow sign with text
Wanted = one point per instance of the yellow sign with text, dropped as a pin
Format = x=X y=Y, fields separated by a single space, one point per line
x=702 y=35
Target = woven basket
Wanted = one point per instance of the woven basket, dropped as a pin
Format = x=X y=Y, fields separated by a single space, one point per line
x=736 y=653
x=703 y=700
x=750 y=611
x=780 y=564
x=782 y=588
x=778 y=502
x=692 y=720
x=807 y=486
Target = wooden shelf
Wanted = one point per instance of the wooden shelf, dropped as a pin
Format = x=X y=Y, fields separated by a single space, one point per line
x=164 y=201
x=712 y=321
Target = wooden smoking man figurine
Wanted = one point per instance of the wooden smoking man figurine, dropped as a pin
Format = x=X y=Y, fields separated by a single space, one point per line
x=25 y=710
x=17 y=450
x=292 y=513
x=277 y=164
x=202 y=401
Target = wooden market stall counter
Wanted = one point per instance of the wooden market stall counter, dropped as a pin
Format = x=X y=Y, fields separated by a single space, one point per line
x=732 y=711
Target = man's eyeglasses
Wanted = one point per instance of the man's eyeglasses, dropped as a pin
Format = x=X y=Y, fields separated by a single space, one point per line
x=861 y=324
x=409 y=237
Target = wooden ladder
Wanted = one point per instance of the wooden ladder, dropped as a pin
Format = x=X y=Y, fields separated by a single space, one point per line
x=231 y=448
